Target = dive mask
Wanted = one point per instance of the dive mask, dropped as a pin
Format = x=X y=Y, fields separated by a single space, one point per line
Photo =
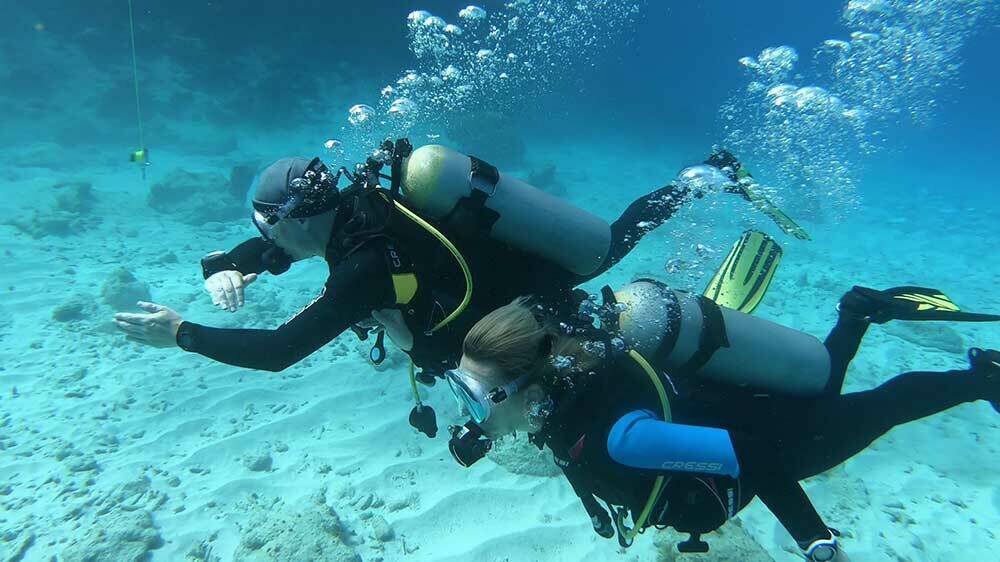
x=478 y=399
x=468 y=443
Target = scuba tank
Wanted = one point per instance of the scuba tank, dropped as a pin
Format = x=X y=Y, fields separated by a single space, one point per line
x=694 y=336
x=464 y=192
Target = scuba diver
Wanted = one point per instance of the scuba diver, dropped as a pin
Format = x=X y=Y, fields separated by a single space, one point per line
x=451 y=239
x=727 y=407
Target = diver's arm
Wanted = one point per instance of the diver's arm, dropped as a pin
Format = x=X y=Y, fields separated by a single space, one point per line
x=640 y=440
x=355 y=287
x=247 y=257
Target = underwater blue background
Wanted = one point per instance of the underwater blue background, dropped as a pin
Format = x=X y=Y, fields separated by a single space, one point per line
x=664 y=78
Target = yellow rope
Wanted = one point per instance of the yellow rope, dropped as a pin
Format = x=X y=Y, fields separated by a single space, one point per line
x=413 y=384
x=135 y=74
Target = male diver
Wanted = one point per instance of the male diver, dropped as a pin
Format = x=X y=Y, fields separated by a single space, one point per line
x=449 y=241
x=745 y=410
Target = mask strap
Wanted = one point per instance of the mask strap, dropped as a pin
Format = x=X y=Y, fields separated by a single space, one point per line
x=501 y=393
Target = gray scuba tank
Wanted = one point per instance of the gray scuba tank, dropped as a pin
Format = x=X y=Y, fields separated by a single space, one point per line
x=690 y=334
x=440 y=183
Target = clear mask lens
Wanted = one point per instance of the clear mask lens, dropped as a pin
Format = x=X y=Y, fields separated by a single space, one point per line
x=262 y=224
x=462 y=386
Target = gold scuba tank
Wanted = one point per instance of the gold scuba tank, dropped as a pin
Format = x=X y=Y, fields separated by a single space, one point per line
x=439 y=182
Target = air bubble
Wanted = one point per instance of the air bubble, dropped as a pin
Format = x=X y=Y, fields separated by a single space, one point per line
x=360 y=114
x=472 y=13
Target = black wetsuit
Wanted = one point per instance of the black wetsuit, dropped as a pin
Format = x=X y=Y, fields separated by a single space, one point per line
x=777 y=440
x=360 y=281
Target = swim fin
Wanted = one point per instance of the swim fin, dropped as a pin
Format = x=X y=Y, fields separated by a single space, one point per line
x=766 y=206
x=746 y=187
x=746 y=273
x=907 y=303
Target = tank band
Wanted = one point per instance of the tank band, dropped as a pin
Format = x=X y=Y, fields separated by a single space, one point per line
x=713 y=336
x=471 y=216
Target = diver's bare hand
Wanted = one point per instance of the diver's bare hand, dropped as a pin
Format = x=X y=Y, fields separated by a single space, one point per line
x=156 y=327
x=226 y=288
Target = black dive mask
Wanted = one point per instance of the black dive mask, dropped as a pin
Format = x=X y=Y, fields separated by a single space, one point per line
x=468 y=444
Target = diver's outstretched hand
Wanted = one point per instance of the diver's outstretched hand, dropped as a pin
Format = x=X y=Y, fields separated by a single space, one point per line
x=156 y=327
x=226 y=288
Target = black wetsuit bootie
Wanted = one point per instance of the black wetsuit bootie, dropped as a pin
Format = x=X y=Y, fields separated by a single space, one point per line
x=725 y=161
x=986 y=364
x=859 y=306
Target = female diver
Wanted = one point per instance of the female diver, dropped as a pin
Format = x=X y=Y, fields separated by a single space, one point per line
x=749 y=407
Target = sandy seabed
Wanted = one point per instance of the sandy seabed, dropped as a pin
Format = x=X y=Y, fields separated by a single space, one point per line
x=112 y=451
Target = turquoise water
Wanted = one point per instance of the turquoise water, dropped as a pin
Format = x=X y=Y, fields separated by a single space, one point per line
x=872 y=123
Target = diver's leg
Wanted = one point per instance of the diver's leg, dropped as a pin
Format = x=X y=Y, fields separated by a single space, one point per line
x=763 y=474
x=843 y=341
x=785 y=498
x=653 y=209
x=833 y=429
x=860 y=307
x=642 y=216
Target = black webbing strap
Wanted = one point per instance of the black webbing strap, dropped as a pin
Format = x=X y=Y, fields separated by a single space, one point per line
x=610 y=321
x=713 y=335
x=471 y=216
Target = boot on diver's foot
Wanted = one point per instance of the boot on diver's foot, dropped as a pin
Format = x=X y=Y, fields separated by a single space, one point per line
x=986 y=363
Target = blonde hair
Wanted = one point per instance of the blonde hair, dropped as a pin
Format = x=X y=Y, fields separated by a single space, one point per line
x=514 y=340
